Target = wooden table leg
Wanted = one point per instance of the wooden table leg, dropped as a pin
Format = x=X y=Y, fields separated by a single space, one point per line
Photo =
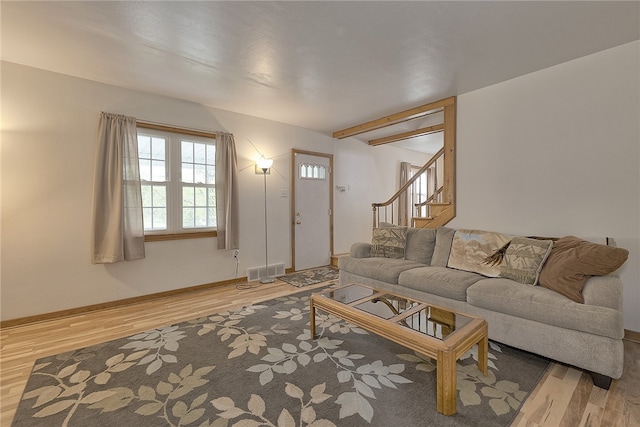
x=446 y=387
x=312 y=318
x=483 y=352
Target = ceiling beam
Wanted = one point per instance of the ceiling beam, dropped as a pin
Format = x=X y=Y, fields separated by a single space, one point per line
x=410 y=114
x=407 y=135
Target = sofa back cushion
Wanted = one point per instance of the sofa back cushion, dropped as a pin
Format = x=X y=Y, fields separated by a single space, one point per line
x=389 y=242
x=420 y=245
x=444 y=237
x=471 y=248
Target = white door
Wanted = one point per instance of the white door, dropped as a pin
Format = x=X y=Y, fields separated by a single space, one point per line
x=311 y=210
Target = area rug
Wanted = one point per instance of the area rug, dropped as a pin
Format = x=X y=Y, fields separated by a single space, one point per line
x=311 y=276
x=258 y=366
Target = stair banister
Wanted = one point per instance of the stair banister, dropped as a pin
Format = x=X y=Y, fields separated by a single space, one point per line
x=408 y=184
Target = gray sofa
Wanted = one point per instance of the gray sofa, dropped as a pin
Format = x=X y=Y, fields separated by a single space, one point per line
x=533 y=318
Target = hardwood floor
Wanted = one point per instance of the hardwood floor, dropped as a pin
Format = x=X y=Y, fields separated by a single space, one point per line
x=565 y=396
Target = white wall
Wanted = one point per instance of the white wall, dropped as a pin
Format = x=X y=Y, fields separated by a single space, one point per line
x=555 y=153
x=49 y=124
x=371 y=175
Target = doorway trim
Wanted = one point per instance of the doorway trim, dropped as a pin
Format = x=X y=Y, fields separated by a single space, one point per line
x=292 y=213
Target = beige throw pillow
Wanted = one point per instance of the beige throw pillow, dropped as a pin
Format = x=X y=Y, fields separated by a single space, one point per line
x=524 y=259
x=389 y=242
x=470 y=248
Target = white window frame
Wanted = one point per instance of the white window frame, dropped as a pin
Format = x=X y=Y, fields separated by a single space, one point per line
x=174 y=184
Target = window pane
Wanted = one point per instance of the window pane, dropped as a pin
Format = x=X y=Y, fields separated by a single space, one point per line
x=188 y=220
x=187 y=152
x=199 y=153
x=211 y=154
x=201 y=217
x=144 y=147
x=158 y=148
x=187 y=172
x=212 y=220
x=145 y=169
x=187 y=196
x=146 y=195
x=211 y=196
x=159 y=218
x=158 y=172
x=201 y=196
x=199 y=174
x=159 y=196
x=211 y=174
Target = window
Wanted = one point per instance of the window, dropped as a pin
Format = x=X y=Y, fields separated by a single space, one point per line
x=177 y=174
x=312 y=171
x=420 y=186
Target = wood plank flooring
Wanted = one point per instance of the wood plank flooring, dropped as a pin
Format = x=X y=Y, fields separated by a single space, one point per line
x=565 y=396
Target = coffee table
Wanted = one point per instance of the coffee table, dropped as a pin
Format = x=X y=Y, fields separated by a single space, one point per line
x=439 y=333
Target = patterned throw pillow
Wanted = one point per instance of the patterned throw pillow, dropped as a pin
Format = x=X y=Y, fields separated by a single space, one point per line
x=389 y=242
x=524 y=259
x=470 y=249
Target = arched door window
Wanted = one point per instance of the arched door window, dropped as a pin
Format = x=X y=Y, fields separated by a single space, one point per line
x=313 y=171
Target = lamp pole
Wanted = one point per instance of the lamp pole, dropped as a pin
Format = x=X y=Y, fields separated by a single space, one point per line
x=265 y=164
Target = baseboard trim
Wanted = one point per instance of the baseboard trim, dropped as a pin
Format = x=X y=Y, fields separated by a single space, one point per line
x=632 y=336
x=114 y=304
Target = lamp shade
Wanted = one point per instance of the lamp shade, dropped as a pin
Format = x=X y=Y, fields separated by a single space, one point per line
x=264 y=163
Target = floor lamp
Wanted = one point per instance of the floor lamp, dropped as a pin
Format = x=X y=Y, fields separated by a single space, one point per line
x=265 y=164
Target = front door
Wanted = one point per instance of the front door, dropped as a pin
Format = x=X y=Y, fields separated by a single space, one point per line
x=312 y=215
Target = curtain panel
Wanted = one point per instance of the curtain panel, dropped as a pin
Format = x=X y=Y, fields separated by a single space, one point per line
x=118 y=230
x=227 y=211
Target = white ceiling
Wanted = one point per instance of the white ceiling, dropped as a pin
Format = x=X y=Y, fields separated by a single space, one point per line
x=316 y=64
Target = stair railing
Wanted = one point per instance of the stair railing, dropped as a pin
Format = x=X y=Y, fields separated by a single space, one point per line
x=390 y=211
x=422 y=208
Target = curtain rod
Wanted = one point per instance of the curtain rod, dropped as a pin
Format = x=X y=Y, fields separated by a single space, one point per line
x=175 y=129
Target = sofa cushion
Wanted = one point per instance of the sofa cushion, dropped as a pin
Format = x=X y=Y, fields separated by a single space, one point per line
x=378 y=268
x=573 y=260
x=545 y=306
x=389 y=242
x=360 y=250
x=444 y=236
x=524 y=259
x=471 y=248
x=420 y=244
x=441 y=281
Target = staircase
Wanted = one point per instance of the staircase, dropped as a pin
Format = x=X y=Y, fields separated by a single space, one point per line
x=413 y=205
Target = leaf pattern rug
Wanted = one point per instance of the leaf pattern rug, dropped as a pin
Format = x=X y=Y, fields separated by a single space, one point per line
x=258 y=366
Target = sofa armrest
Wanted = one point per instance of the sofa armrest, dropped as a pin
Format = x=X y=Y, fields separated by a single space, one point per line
x=360 y=250
x=604 y=291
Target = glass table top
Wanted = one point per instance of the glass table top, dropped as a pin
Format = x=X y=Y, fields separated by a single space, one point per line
x=419 y=316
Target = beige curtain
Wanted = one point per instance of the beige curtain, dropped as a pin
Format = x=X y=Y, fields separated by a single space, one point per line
x=403 y=200
x=227 y=211
x=118 y=230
